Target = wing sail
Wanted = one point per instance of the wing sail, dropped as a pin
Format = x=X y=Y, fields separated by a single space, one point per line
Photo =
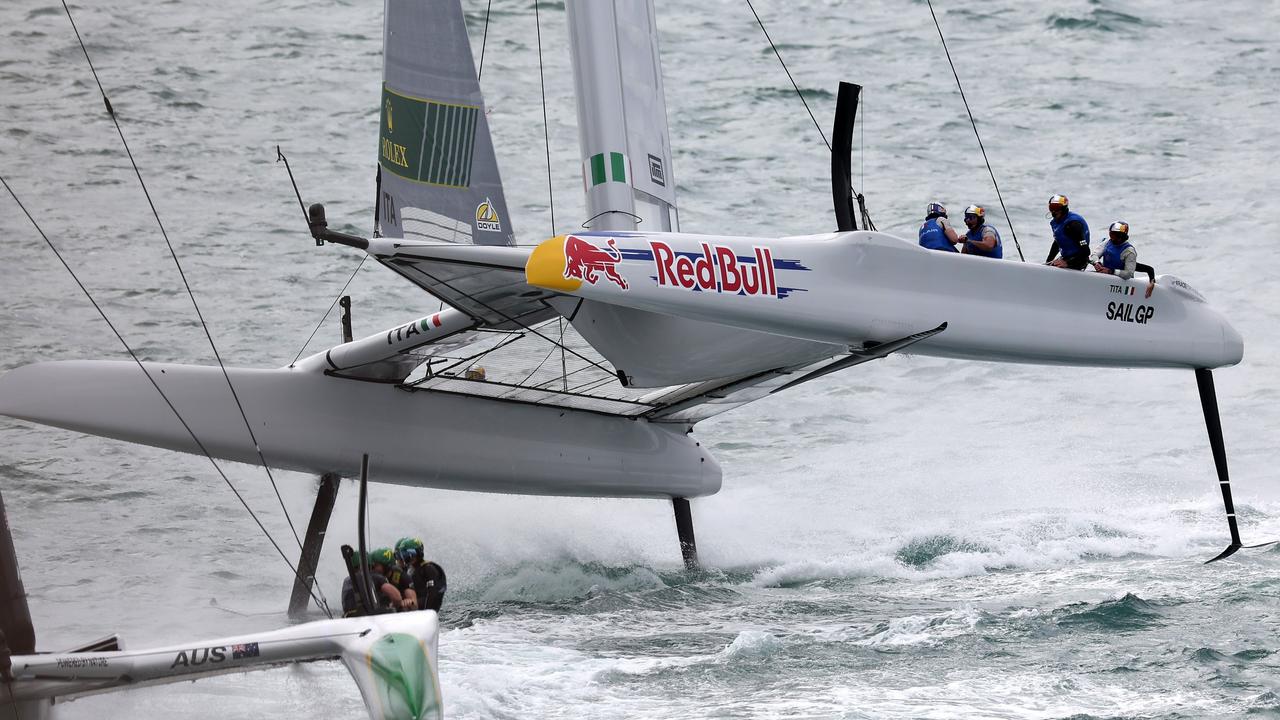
x=438 y=173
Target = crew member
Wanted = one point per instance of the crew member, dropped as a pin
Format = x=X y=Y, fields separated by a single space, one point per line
x=428 y=578
x=352 y=604
x=383 y=562
x=936 y=233
x=1070 y=236
x=1117 y=256
x=982 y=239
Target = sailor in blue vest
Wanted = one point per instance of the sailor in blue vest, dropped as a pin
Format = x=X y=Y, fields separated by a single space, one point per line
x=936 y=233
x=1070 y=236
x=982 y=239
x=1116 y=256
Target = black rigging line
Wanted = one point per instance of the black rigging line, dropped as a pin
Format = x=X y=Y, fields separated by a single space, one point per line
x=974 y=123
x=332 y=305
x=546 y=136
x=793 y=80
x=538 y=367
x=484 y=40
x=307 y=219
x=155 y=385
x=867 y=223
x=281 y=158
x=509 y=318
x=155 y=213
x=862 y=144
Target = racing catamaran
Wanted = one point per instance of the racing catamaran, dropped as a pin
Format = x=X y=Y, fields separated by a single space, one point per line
x=665 y=328
x=394 y=658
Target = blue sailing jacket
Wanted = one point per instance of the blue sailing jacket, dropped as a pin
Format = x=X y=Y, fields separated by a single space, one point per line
x=1112 y=257
x=933 y=237
x=975 y=235
x=1068 y=248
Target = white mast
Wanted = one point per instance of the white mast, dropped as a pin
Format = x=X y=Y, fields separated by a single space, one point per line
x=622 y=115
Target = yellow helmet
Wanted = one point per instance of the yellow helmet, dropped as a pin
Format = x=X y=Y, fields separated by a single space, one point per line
x=1058 y=201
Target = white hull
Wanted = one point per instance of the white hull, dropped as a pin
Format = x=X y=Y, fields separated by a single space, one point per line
x=394 y=660
x=857 y=287
x=311 y=422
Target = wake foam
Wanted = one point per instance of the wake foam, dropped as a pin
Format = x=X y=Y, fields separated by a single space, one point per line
x=1128 y=612
x=1034 y=540
x=551 y=582
x=924 y=630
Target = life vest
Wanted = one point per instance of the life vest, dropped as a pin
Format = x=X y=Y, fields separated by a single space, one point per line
x=430 y=584
x=398 y=577
x=352 y=605
x=1068 y=248
x=1113 y=255
x=975 y=235
x=934 y=237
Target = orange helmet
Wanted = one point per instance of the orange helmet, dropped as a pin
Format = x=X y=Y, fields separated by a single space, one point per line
x=1058 y=201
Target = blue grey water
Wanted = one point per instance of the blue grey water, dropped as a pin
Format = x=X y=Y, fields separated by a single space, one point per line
x=911 y=538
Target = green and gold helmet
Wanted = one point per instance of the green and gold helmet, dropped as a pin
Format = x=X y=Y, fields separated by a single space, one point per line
x=384 y=556
x=409 y=549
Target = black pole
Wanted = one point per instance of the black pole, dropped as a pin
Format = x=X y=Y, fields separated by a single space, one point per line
x=345 y=302
x=366 y=591
x=326 y=495
x=684 y=530
x=1209 y=403
x=841 y=151
x=17 y=634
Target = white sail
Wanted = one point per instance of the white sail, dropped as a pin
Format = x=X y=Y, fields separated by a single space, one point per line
x=622 y=115
x=630 y=185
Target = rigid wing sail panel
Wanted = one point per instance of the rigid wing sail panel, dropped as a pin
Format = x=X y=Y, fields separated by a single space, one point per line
x=438 y=174
x=622 y=115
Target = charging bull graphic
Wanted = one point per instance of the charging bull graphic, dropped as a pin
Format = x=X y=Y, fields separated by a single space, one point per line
x=583 y=260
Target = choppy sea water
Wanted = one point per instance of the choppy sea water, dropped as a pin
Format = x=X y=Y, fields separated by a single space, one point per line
x=912 y=538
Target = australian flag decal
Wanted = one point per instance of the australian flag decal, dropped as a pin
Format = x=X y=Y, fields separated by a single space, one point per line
x=240 y=652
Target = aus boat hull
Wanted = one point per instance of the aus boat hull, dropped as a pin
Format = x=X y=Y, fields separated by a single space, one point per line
x=393 y=658
x=311 y=422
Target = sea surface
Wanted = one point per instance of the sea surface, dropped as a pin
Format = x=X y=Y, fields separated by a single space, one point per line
x=912 y=538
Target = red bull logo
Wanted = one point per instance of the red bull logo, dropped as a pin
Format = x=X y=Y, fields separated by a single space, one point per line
x=583 y=261
x=717 y=269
